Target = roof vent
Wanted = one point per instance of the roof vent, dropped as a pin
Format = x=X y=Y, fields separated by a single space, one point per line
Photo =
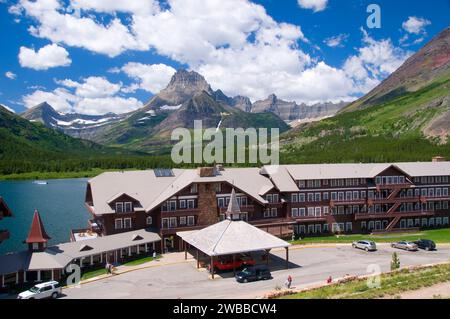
x=137 y=237
x=85 y=248
x=438 y=159
x=163 y=172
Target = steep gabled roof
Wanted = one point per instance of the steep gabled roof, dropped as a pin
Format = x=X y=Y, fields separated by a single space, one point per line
x=6 y=212
x=37 y=232
x=233 y=205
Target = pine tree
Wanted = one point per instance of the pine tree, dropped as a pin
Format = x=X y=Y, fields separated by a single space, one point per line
x=395 y=263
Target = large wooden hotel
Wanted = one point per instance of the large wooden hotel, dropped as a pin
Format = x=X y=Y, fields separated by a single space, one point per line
x=286 y=200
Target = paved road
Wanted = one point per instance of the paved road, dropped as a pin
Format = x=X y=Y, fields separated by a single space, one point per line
x=308 y=266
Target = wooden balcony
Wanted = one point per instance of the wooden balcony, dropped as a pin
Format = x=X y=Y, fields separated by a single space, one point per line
x=366 y=216
x=347 y=202
x=4 y=235
x=180 y=212
x=173 y=231
x=393 y=186
x=310 y=219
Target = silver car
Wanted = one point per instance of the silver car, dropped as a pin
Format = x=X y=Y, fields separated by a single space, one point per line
x=405 y=245
x=366 y=245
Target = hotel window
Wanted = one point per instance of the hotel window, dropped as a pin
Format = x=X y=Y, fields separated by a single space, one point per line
x=423 y=180
x=333 y=182
x=172 y=205
x=128 y=207
x=294 y=198
x=269 y=198
x=363 y=195
x=165 y=223
x=301 y=198
x=445 y=221
x=310 y=184
x=301 y=184
x=356 y=195
x=310 y=197
x=431 y=222
x=348 y=227
x=294 y=212
x=431 y=192
x=274 y=212
x=221 y=202
x=191 y=204
x=335 y=228
x=333 y=196
x=218 y=187
x=183 y=221
x=378 y=180
x=119 y=207
x=445 y=179
x=183 y=204
x=326 y=196
x=244 y=201
x=325 y=182
x=164 y=207
x=424 y=222
x=194 y=188
x=348 y=195
x=325 y=228
x=276 y=198
x=438 y=221
x=149 y=220
x=445 y=205
x=438 y=205
x=341 y=196
x=438 y=179
x=417 y=192
x=333 y=210
x=326 y=210
x=341 y=210
x=318 y=211
x=371 y=194
x=127 y=223
x=310 y=211
x=302 y=212
x=438 y=192
x=363 y=225
x=317 y=197
x=355 y=209
x=445 y=192
x=424 y=192
x=118 y=223
x=267 y=213
x=409 y=193
x=317 y=183
x=172 y=222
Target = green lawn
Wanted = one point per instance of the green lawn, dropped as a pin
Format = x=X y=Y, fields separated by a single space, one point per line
x=141 y=261
x=437 y=235
x=93 y=273
x=392 y=285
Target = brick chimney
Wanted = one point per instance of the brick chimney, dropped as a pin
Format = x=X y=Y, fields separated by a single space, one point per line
x=437 y=159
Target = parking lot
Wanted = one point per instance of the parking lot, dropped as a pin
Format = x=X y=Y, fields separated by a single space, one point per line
x=308 y=266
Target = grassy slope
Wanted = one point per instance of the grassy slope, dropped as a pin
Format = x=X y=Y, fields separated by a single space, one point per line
x=440 y=236
x=387 y=132
x=392 y=284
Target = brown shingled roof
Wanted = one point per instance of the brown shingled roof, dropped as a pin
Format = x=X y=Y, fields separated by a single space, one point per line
x=37 y=232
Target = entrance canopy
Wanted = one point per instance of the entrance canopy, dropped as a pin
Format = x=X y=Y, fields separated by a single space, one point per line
x=231 y=237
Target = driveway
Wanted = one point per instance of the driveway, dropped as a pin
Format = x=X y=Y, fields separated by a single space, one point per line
x=309 y=266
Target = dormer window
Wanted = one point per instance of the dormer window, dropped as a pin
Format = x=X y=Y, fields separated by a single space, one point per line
x=194 y=189
x=128 y=207
x=119 y=207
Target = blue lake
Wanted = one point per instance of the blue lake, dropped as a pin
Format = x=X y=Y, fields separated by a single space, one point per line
x=60 y=204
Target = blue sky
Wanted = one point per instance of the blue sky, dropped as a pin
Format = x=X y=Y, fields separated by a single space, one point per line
x=97 y=56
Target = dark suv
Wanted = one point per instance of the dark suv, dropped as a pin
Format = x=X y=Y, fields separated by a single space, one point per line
x=254 y=274
x=425 y=244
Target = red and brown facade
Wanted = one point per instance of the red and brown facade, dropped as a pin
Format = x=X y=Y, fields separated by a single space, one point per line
x=305 y=200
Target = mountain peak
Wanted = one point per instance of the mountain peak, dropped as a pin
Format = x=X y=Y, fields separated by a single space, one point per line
x=185 y=79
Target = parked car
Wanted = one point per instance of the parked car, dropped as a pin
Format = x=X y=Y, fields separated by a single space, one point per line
x=227 y=264
x=254 y=273
x=45 y=290
x=405 y=245
x=366 y=245
x=425 y=244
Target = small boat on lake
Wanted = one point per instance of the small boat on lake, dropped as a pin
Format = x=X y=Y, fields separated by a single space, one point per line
x=40 y=182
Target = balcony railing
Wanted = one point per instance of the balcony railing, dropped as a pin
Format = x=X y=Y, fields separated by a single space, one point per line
x=246 y=208
x=414 y=213
x=181 y=212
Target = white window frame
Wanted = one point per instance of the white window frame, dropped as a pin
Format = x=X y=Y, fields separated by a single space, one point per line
x=294 y=212
x=183 y=221
x=149 y=220
x=116 y=225
x=119 y=204
x=191 y=220
x=274 y=212
x=294 y=198
x=127 y=220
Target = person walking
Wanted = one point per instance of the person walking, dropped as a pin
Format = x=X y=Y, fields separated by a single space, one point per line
x=289 y=282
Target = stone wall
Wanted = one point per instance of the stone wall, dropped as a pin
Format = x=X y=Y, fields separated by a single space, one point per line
x=207 y=205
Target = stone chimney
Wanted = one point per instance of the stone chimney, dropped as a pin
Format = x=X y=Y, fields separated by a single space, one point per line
x=437 y=159
x=206 y=171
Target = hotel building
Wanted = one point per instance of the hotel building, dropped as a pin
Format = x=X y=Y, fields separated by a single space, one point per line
x=286 y=200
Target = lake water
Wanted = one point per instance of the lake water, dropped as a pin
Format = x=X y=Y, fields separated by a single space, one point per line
x=60 y=204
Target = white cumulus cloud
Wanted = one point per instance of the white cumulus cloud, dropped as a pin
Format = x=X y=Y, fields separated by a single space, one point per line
x=315 y=5
x=415 y=25
x=152 y=78
x=47 y=57
x=94 y=95
x=336 y=41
